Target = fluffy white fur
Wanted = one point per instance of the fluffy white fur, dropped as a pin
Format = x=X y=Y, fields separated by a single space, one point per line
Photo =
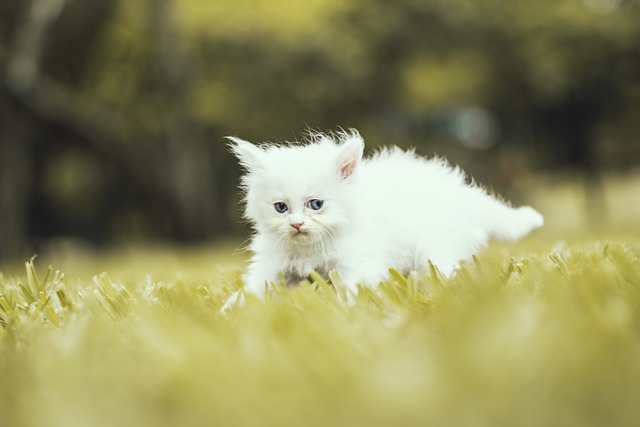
x=392 y=210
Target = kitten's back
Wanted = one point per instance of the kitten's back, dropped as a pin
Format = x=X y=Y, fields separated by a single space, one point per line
x=428 y=205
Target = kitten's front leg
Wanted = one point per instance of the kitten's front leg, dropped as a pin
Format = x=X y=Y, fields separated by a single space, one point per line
x=347 y=288
x=370 y=276
x=257 y=279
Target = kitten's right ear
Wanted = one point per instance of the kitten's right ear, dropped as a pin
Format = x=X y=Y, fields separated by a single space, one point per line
x=351 y=151
x=249 y=155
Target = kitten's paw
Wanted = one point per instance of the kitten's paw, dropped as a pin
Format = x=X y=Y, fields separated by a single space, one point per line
x=236 y=299
x=348 y=298
x=346 y=288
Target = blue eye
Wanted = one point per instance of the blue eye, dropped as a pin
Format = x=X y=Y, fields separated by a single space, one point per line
x=280 y=207
x=315 y=204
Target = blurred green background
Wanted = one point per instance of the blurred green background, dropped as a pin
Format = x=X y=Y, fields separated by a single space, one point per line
x=113 y=112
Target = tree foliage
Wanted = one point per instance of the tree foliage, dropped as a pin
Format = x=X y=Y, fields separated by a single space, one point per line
x=113 y=111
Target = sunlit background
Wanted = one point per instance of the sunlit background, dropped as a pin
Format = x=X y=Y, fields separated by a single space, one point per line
x=113 y=112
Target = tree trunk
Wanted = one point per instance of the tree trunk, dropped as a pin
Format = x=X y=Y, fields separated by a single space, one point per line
x=15 y=178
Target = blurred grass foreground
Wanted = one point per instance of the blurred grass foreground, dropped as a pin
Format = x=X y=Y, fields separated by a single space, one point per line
x=112 y=115
x=523 y=336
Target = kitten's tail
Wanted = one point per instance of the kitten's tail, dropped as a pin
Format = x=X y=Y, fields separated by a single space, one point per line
x=513 y=223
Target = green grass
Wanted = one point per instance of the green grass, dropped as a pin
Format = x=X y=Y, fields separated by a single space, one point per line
x=533 y=334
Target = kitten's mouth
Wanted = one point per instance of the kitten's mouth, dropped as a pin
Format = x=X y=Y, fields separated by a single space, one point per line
x=300 y=235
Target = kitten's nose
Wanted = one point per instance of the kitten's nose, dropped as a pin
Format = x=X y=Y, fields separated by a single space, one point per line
x=297 y=225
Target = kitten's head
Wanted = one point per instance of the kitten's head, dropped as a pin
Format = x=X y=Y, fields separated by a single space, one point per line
x=300 y=194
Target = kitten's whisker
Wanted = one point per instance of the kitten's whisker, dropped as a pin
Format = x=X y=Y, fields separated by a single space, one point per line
x=324 y=238
x=280 y=243
x=320 y=242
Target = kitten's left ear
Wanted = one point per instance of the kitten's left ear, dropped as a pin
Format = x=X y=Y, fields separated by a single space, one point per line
x=249 y=155
x=350 y=155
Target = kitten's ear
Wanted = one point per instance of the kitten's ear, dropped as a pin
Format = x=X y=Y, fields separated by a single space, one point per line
x=249 y=155
x=350 y=154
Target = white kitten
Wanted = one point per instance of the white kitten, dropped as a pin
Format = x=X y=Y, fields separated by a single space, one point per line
x=322 y=206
